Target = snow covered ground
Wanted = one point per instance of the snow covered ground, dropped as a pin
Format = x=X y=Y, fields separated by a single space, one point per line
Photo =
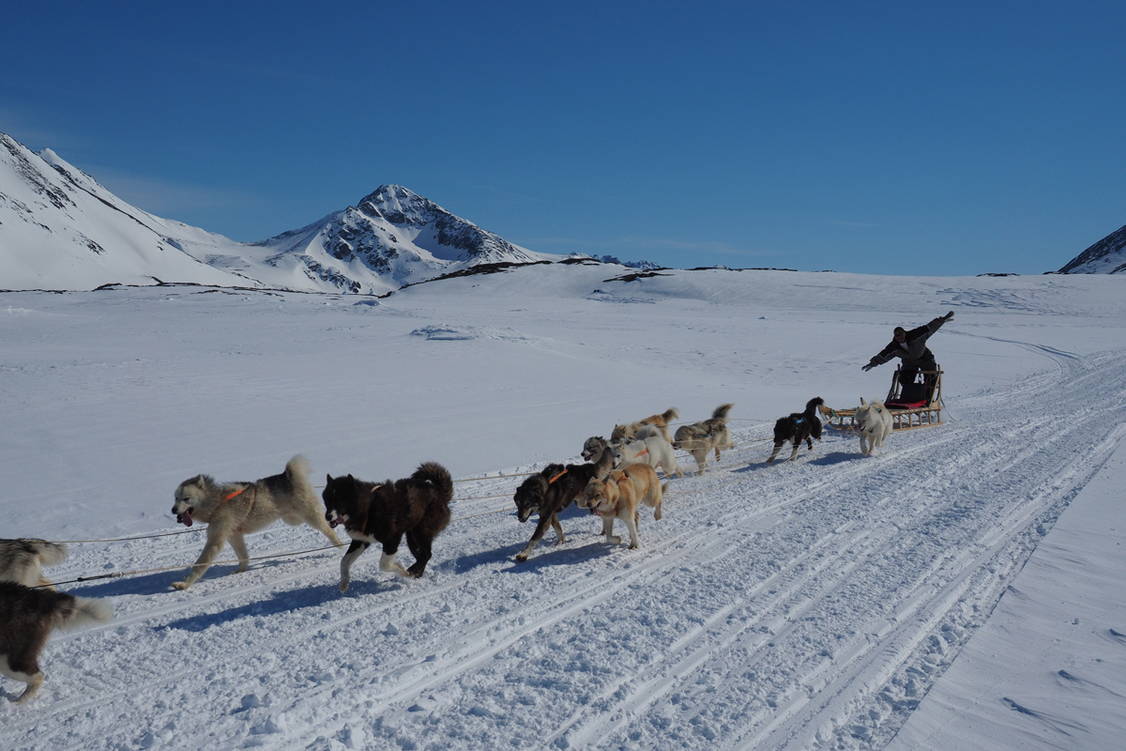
x=925 y=597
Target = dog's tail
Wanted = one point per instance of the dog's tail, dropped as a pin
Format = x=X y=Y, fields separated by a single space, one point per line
x=297 y=470
x=721 y=411
x=434 y=474
x=812 y=405
x=670 y=414
x=50 y=553
x=72 y=612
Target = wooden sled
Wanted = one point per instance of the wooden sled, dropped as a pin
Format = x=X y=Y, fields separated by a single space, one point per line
x=925 y=415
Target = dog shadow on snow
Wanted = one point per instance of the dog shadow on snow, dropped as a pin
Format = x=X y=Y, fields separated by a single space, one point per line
x=835 y=457
x=286 y=601
x=152 y=584
x=579 y=525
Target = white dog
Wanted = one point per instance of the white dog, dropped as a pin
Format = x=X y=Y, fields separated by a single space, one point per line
x=648 y=447
x=651 y=449
x=874 y=424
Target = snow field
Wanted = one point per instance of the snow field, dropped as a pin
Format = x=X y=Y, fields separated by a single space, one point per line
x=810 y=604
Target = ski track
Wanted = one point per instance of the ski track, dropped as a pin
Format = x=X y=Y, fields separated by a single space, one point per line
x=808 y=604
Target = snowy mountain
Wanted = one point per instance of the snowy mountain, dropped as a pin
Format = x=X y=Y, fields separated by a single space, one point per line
x=60 y=229
x=1107 y=256
x=391 y=237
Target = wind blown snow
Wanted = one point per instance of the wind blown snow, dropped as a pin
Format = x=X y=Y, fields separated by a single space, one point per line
x=959 y=589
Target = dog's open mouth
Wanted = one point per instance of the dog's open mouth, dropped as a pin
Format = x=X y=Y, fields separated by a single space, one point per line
x=185 y=516
x=336 y=521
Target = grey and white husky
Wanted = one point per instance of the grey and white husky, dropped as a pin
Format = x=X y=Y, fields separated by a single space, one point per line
x=233 y=509
x=22 y=560
x=701 y=437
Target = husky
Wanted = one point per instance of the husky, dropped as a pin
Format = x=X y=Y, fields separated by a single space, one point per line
x=699 y=438
x=659 y=422
x=417 y=506
x=620 y=495
x=552 y=490
x=27 y=617
x=798 y=427
x=651 y=449
x=234 y=509
x=22 y=560
x=874 y=424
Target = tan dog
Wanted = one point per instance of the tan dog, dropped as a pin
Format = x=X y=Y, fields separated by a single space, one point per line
x=619 y=496
x=233 y=509
x=631 y=430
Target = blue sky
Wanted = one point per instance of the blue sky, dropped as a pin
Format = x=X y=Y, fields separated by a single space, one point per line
x=886 y=138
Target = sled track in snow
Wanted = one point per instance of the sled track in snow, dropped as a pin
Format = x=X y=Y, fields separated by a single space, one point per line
x=806 y=604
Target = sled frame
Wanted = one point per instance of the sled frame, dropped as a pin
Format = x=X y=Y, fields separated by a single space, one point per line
x=927 y=416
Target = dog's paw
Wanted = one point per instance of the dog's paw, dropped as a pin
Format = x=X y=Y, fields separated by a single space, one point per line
x=521 y=557
x=180 y=585
x=343 y=586
x=634 y=545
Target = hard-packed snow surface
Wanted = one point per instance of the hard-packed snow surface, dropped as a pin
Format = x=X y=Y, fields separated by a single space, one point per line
x=829 y=602
x=61 y=229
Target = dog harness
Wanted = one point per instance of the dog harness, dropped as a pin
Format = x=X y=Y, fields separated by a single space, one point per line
x=553 y=479
x=235 y=494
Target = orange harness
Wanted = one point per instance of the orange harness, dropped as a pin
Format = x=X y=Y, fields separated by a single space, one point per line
x=235 y=494
x=553 y=479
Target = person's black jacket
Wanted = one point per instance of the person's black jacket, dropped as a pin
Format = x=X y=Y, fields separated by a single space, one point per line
x=914 y=350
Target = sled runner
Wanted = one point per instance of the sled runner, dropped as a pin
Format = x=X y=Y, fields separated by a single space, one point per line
x=913 y=405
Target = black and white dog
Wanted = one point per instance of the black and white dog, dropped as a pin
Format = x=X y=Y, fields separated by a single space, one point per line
x=417 y=507
x=798 y=427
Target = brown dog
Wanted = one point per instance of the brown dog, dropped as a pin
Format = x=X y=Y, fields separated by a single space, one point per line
x=620 y=495
x=631 y=430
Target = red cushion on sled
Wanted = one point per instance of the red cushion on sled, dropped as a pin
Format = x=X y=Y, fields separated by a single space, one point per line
x=905 y=405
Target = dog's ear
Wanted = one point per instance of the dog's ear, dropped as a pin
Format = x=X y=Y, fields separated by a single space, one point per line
x=353 y=479
x=328 y=479
x=861 y=401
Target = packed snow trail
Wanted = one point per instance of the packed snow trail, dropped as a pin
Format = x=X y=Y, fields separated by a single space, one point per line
x=803 y=604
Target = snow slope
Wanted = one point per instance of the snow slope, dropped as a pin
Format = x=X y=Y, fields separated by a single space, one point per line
x=60 y=229
x=1107 y=256
x=813 y=604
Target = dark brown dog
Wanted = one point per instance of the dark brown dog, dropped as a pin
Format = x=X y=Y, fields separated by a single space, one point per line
x=27 y=617
x=552 y=490
x=417 y=506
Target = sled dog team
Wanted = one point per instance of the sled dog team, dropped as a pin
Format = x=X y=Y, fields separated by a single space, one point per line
x=618 y=477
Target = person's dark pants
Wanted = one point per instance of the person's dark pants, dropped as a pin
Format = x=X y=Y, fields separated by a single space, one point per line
x=909 y=370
